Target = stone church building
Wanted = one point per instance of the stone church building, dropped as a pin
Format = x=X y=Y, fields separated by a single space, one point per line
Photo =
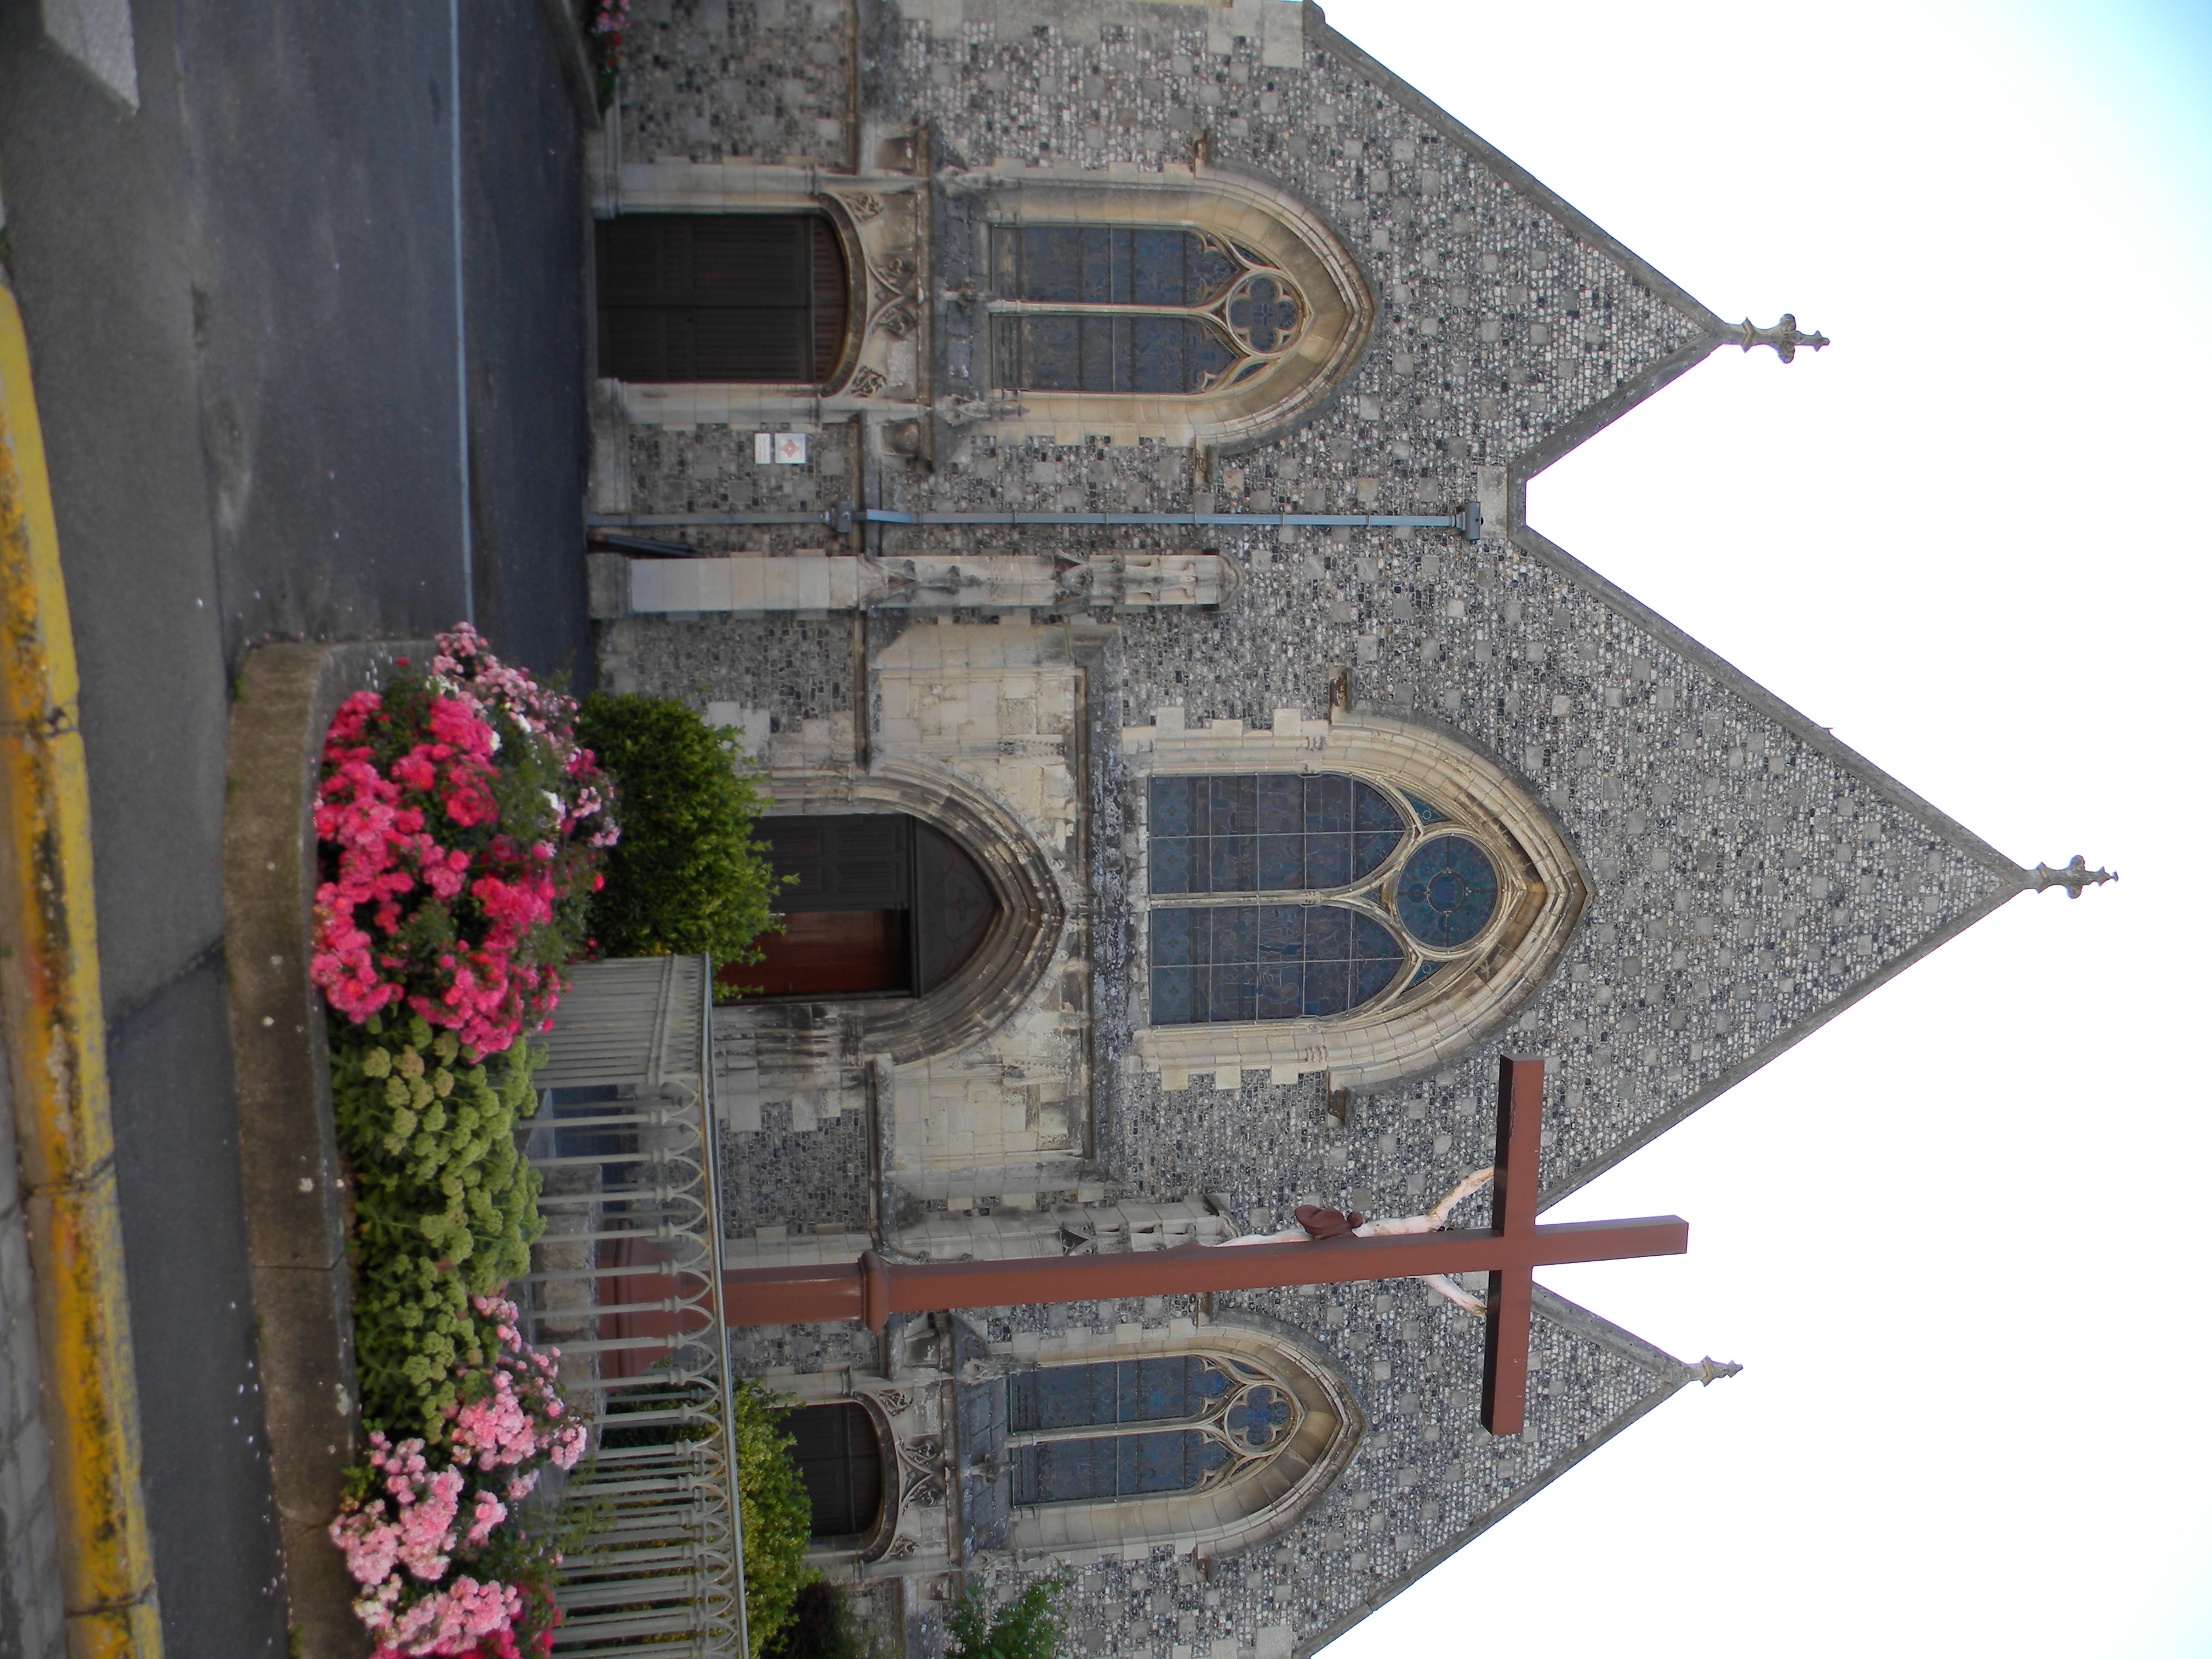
x=1153 y=877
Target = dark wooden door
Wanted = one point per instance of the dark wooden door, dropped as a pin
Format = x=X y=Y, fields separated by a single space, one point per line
x=752 y=297
x=858 y=862
x=876 y=903
x=840 y=1459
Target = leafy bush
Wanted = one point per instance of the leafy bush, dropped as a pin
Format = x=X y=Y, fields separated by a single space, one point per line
x=687 y=877
x=445 y=1208
x=822 y=1627
x=1031 y=1627
x=776 y=1514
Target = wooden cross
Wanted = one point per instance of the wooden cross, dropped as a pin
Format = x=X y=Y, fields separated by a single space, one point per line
x=872 y=1289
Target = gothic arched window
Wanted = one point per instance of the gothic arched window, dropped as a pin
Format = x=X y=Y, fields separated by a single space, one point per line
x=1157 y=309
x=1137 y=1428
x=1408 y=891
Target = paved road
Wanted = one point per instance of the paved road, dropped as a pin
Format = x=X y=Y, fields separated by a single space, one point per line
x=247 y=319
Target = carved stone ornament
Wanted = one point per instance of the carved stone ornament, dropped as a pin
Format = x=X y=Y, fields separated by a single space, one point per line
x=925 y=1491
x=2073 y=878
x=1709 y=1371
x=902 y=1549
x=865 y=383
x=1783 y=337
x=862 y=204
x=895 y=1401
x=923 y=1451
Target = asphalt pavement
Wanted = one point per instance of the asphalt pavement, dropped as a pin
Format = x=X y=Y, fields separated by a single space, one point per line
x=311 y=364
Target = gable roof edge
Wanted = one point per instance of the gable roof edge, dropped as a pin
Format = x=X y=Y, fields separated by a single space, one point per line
x=1799 y=725
x=1605 y=411
x=1671 y=1375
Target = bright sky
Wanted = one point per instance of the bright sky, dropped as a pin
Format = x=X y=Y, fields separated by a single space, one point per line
x=1959 y=1238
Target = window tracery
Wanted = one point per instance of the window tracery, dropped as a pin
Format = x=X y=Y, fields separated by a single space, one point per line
x=1144 y=309
x=1409 y=890
x=1178 y=1423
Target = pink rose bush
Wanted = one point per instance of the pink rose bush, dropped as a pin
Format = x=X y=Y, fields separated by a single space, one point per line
x=421 y=1533
x=462 y=828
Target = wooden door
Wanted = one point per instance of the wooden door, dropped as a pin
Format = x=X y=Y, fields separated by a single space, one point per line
x=752 y=297
x=840 y=1459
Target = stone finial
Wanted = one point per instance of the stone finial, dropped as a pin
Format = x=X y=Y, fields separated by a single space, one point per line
x=2073 y=878
x=1783 y=337
x=1708 y=1370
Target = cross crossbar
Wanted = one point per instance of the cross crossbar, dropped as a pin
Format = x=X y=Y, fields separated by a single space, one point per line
x=871 y=1289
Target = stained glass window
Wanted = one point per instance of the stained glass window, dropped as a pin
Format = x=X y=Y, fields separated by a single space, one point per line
x=1267 y=834
x=1281 y=833
x=1446 y=892
x=1226 y=964
x=1164 y=1390
x=1098 y=1468
x=1249 y=1417
x=1151 y=309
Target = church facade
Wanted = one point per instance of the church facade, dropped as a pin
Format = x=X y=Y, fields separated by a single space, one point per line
x=977 y=380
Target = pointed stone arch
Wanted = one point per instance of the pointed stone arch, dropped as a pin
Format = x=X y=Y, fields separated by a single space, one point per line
x=1432 y=1012
x=1260 y=1498
x=1272 y=234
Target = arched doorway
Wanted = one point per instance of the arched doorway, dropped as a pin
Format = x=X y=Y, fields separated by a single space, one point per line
x=840 y=1459
x=754 y=298
x=879 y=904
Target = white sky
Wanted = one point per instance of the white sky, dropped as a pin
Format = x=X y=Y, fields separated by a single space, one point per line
x=1959 y=1238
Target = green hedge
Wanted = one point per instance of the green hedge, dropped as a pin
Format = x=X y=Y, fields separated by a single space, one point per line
x=776 y=1514
x=445 y=1208
x=687 y=879
x=1033 y=1625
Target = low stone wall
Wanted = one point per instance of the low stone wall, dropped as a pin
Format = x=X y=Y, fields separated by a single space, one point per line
x=296 y=1204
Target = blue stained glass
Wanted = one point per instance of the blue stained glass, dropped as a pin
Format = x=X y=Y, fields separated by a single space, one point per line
x=1171 y=998
x=1171 y=865
x=1171 y=936
x=1234 y=806
x=1260 y=1418
x=1446 y=892
x=1160 y=1390
x=1329 y=988
x=1329 y=934
x=1371 y=810
x=1172 y=807
x=1301 y=824
x=1235 y=866
x=1107 y=1467
x=1262 y=313
x=1329 y=804
x=1328 y=860
x=1264 y=962
x=1423 y=811
x=1278 y=992
x=1422 y=973
x=1282 y=863
x=1281 y=804
x=1370 y=848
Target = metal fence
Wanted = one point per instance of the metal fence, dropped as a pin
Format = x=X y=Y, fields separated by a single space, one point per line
x=626 y=1282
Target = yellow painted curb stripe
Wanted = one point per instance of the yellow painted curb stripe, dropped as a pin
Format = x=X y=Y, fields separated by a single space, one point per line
x=56 y=1056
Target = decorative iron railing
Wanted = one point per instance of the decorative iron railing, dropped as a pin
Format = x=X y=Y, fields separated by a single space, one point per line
x=626 y=1282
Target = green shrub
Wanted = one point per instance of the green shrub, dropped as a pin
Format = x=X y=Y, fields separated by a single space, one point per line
x=1031 y=1627
x=822 y=1627
x=687 y=879
x=776 y=1514
x=445 y=1208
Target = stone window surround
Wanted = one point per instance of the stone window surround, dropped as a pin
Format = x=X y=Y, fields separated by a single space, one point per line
x=1543 y=891
x=882 y=220
x=1220 y=1522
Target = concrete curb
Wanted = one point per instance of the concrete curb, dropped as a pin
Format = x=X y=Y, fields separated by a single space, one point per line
x=294 y=1185
x=57 y=1047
